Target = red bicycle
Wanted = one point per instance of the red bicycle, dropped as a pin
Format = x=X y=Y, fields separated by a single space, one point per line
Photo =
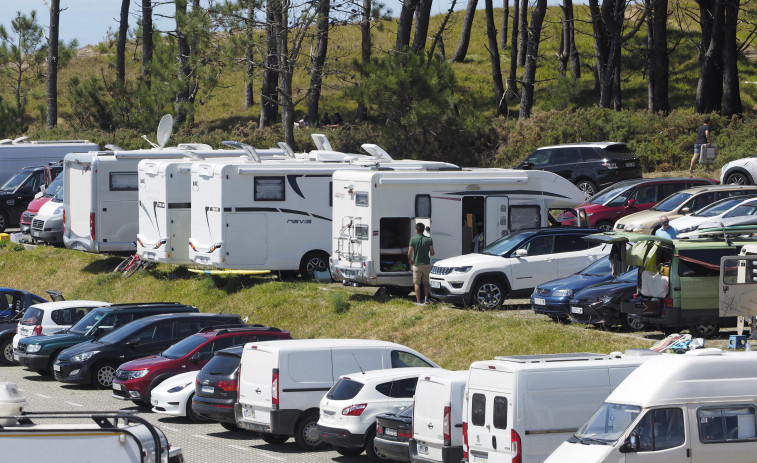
x=131 y=264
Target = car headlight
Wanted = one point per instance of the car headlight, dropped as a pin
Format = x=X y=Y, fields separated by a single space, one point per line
x=58 y=211
x=179 y=388
x=464 y=269
x=687 y=229
x=634 y=227
x=31 y=348
x=606 y=299
x=134 y=374
x=563 y=293
x=84 y=356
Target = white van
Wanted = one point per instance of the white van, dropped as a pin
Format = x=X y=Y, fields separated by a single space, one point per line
x=281 y=383
x=521 y=408
x=19 y=153
x=699 y=407
x=438 y=417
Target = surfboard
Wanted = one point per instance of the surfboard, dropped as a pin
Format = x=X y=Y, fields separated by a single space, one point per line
x=228 y=272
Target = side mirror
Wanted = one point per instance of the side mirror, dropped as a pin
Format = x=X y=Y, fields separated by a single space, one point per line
x=520 y=253
x=133 y=342
x=685 y=210
x=526 y=165
x=195 y=357
x=631 y=444
x=631 y=202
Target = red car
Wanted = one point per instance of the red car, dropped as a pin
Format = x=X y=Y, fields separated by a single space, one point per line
x=627 y=197
x=140 y=376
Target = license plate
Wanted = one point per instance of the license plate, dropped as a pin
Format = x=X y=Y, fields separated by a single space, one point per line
x=207 y=389
x=476 y=458
x=349 y=273
x=56 y=367
x=35 y=233
x=630 y=164
x=539 y=301
x=423 y=449
x=248 y=412
x=435 y=284
x=578 y=310
x=390 y=432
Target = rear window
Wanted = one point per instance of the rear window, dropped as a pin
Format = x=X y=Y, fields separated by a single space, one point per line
x=32 y=316
x=344 y=389
x=398 y=389
x=620 y=151
x=478 y=409
x=222 y=364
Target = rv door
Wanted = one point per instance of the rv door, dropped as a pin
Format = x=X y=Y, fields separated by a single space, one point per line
x=738 y=286
x=496 y=224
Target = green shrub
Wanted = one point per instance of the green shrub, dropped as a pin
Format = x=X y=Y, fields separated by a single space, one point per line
x=339 y=301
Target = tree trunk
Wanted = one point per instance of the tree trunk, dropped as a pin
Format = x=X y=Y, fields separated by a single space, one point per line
x=505 y=20
x=529 y=72
x=510 y=93
x=491 y=33
x=710 y=85
x=650 y=58
x=147 y=44
x=321 y=47
x=123 y=28
x=405 y=24
x=422 y=18
x=660 y=55
x=281 y=32
x=52 y=65
x=562 y=55
x=249 y=90
x=573 y=57
x=523 y=33
x=269 y=96
x=600 y=46
x=182 y=95
x=365 y=49
x=731 y=97
x=462 y=46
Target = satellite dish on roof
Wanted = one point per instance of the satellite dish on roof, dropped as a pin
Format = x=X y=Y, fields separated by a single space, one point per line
x=165 y=127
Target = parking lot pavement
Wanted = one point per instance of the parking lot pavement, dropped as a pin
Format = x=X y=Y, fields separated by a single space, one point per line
x=201 y=443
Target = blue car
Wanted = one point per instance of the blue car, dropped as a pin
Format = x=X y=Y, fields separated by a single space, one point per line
x=13 y=304
x=553 y=297
x=599 y=304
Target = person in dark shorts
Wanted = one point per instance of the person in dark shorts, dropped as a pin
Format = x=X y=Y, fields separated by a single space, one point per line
x=419 y=255
x=703 y=138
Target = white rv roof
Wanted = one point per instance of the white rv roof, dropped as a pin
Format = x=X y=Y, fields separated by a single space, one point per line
x=563 y=361
x=697 y=376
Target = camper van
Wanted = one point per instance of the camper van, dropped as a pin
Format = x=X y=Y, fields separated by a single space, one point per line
x=698 y=407
x=275 y=216
x=21 y=152
x=520 y=408
x=375 y=213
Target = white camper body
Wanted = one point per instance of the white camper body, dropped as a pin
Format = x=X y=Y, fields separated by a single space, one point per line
x=521 y=408
x=738 y=286
x=375 y=213
x=20 y=153
x=699 y=407
x=272 y=216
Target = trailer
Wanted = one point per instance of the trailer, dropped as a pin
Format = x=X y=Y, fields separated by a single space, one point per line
x=22 y=152
x=375 y=213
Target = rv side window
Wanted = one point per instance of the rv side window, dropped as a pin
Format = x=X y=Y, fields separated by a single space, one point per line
x=660 y=429
x=123 y=181
x=737 y=271
x=499 y=412
x=423 y=206
x=269 y=189
x=726 y=424
x=361 y=198
x=478 y=409
x=524 y=217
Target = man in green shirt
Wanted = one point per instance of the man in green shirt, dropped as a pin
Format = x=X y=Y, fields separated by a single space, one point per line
x=419 y=255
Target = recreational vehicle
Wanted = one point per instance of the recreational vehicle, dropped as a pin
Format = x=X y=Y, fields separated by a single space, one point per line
x=698 y=407
x=738 y=287
x=274 y=216
x=375 y=213
x=19 y=153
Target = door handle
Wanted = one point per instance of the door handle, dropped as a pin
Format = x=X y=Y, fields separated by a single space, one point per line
x=430 y=426
x=258 y=391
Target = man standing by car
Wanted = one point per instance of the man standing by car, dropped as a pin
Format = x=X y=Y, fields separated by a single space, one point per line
x=666 y=231
x=419 y=255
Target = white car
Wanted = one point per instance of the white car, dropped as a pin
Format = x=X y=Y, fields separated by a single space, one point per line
x=174 y=396
x=47 y=225
x=51 y=317
x=735 y=206
x=739 y=172
x=348 y=411
x=518 y=261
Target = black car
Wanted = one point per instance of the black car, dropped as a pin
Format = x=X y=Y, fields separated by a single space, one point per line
x=600 y=304
x=590 y=166
x=216 y=388
x=19 y=191
x=96 y=361
x=393 y=434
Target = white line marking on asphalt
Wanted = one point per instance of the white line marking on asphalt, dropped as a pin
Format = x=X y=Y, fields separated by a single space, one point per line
x=75 y=404
x=239 y=447
x=270 y=456
x=43 y=396
x=199 y=436
x=170 y=429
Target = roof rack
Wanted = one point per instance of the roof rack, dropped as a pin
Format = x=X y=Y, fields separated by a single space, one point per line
x=236 y=327
x=546 y=358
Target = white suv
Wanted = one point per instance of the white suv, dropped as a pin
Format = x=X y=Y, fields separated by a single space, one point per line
x=518 y=261
x=349 y=409
x=739 y=172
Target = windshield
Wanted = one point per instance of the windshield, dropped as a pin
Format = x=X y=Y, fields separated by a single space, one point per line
x=718 y=208
x=598 y=268
x=607 y=424
x=17 y=180
x=671 y=202
x=743 y=210
x=184 y=347
x=89 y=321
x=118 y=335
x=506 y=243
x=54 y=187
x=609 y=193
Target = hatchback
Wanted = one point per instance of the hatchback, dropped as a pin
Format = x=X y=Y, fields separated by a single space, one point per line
x=215 y=391
x=349 y=409
x=53 y=317
x=590 y=166
x=393 y=434
x=174 y=396
x=599 y=304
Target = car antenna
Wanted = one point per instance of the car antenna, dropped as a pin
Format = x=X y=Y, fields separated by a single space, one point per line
x=358 y=363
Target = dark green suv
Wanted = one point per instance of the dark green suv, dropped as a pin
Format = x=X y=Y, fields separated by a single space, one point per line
x=39 y=352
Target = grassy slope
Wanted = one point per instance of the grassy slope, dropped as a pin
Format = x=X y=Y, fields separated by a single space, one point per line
x=453 y=338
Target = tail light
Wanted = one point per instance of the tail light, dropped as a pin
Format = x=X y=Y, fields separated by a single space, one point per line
x=64 y=221
x=92 y=225
x=465 y=440
x=610 y=165
x=515 y=449
x=668 y=303
x=239 y=379
x=446 y=425
x=37 y=330
x=275 y=388
x=412 y=424
x=405 y=434
x=379 y=430
x=228 y=386
x=354 y=410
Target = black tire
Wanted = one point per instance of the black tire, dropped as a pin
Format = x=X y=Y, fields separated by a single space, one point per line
x=370 y=448
x=306 y=435
x=348 y=451
x=604 y=226
x=312 y=261
x=738 y=178
x=103 y=374
x=231 y=427
x=6 y=351
x=632 y=324
x=194 y=416
x=704 y=329
x=489 y=293
x=134 y=267
x=273 y=439
x=3 y=221
x=398 y=291
x=588 y=187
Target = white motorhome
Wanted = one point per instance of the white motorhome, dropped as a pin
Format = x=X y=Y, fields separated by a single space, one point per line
x=738 y=286
x=73 y=437
x=521 y=408
x=274 y=216
x=375 y=213
x=699 y=407
x=281 y=383
x=21 y=152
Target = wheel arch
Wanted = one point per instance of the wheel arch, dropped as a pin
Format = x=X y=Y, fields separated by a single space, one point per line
x=740 y=170
x=499 y=276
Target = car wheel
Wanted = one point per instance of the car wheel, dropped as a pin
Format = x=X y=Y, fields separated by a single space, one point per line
x=103 y=374
x=3 y=221
x=370 y=448
x=306 y=434
x=6 y=347
x=632 y=324
x=604 y=226
x=232 y=427
x=738 y=178
x=191 y=413
x=314 y=260
x=398 y=291
x=273 y=439
x=348 y=451
x=588 y=187
x=489 y=294
x=705 y=329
